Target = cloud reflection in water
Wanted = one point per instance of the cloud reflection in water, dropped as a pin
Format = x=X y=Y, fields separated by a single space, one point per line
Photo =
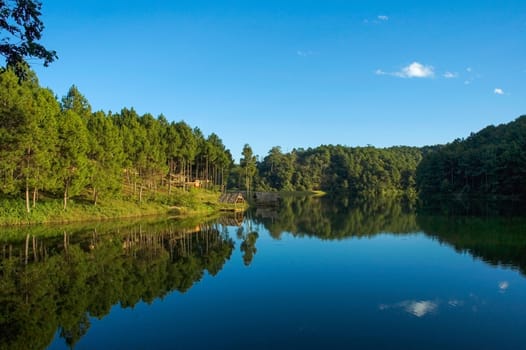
x=418 y=308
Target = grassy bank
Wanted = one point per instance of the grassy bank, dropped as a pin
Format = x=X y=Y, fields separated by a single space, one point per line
x=50 y=210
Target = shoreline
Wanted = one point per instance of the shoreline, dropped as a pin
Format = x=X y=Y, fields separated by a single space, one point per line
x=50 y=211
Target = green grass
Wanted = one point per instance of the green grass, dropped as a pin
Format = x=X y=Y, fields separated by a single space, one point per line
x=49 y=210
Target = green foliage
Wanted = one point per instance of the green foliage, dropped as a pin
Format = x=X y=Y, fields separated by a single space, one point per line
x=72 y=148
x=106 y=156
x=21 y=30
x=28 y=135
x=248 y=167
x=341 y=170
x=491 y=162
x=65 y=150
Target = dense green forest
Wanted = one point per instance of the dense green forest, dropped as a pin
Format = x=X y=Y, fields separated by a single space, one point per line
x=339 y=170
x=489 y=162
x=63 y=149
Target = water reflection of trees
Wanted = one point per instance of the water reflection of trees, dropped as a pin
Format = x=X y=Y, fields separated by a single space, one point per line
x=327 y=218
x=499 y=241
x=60 y=282
x=487 y=230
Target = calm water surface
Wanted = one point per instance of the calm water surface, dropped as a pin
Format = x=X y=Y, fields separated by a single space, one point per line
x=311 y=275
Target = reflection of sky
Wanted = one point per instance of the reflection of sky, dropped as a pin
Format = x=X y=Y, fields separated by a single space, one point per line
x=421 y=308
x=503 y=286
x=418 y=308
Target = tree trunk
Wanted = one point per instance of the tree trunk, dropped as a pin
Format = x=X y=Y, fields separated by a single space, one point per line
x=222 y=180
x=27 y=197
x=35 y=193
x=170 y=177
x=184 y=174
x=95 y=196
x=65 y=197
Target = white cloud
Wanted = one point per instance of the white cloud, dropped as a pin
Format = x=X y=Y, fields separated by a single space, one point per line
x=304 y=53
x=498 y=91
x=417 y=70
x=450 y=75
x=414 y=70
x=469 y=69
x=377 y=20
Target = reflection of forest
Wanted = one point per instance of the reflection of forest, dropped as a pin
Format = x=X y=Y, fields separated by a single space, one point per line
x=51 y=282
x=60 y=282
x=328 y=218
x=471 y=227
x=496 y=240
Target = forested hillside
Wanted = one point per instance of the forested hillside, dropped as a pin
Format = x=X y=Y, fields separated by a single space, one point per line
x=341 y=170
x=63 y=149
x=489 y=162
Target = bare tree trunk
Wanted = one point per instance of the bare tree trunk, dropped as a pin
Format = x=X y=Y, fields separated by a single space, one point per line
x=27 y=181
x=27 y=197
x=207 y=175
x=222 y=180
x=170 y=176
x=184 y=174
x=65 y=197
x=35 y=193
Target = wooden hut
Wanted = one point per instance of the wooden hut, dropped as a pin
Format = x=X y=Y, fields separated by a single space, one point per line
x=236 y=199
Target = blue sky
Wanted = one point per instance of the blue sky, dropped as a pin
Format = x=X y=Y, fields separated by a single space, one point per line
x=297 y=73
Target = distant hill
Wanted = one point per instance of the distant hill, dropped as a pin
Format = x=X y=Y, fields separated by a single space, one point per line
x=489 y=162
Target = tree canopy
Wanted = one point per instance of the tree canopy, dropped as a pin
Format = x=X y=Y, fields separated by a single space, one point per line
x=21 y=29
x=337 y=170
x=64 y=149
x=489 y=162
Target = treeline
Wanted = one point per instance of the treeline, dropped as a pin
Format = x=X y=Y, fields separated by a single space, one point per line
x=340 y=170
x=64 y=149
x=489 y=162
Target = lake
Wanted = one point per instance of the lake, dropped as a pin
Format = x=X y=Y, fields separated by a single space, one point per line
x=314 y=273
